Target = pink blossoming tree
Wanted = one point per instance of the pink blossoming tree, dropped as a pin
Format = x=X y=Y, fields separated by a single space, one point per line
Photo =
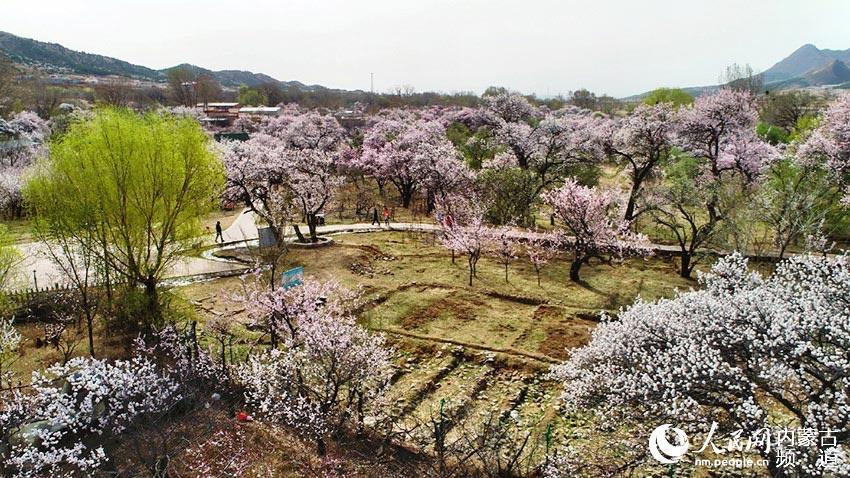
x=641 y=142
x=504 y=246
x=829 y=144
x=594 y=225
x=722 y=150
x=464 y=230
x=328 y=372
x=546 y=143
x=410 y=153
x=541 y=248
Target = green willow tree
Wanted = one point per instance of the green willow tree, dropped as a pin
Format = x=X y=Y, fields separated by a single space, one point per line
x=138 y=184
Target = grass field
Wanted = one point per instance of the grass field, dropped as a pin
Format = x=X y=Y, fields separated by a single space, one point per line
x=478 y=349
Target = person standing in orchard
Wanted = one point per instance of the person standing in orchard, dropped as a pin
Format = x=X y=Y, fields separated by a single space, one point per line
x=218 y=232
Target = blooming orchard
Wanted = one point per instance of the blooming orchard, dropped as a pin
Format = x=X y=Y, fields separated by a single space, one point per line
x=829 y=144
x=329 y=369
x=745 y=351
x=593 y=219
x=45 y=431
x=22 y=141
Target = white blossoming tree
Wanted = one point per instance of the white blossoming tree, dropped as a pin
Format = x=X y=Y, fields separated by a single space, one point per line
x=745 y=351
x=10 y=338
x=328 y=372
x=45 y=433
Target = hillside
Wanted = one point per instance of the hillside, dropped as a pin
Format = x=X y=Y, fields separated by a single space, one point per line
x=236 y=78
x=802 y=61
x=55 y=58
x=835 y=73
x=808 y=66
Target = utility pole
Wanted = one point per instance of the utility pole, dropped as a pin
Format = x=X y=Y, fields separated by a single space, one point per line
x=371 y=91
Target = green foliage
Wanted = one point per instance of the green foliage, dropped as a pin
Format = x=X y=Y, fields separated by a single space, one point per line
x=681 y=174
x=803 y=127
x=10 y=257
x=810 y=192
x=473 y=146
x=675 y=96
x=772 y=134
x=511 y=193
x=586 y=174
x=785 y=109
x=139 y=183
x=252 y=96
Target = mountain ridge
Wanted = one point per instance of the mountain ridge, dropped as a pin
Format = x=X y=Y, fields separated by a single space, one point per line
x=53 y=57
x=807 y=66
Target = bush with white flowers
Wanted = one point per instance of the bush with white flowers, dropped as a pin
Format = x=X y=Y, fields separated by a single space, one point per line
x=745 y=351
x=329 y=370
x=50 y=432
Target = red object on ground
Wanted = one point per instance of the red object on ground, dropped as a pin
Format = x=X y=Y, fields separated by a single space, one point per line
x=243 y=417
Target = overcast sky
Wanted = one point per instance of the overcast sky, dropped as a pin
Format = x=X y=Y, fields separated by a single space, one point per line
x=534 y=46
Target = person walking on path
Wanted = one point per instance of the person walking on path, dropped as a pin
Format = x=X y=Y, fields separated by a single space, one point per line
x=375 y=220
x=218 y=233
x=386 y=216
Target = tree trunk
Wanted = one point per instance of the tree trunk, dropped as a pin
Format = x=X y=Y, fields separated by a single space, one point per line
x=685 y=271
x=311 y=226
x=506 y=273
x=298 y=234
x=90 y=326
x=471 y=269
x=152 y=301
x=406 y=192
x=630 y=209
x=574 y=269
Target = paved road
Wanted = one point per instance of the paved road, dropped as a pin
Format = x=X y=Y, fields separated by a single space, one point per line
x=38 y=267
x=244 y=228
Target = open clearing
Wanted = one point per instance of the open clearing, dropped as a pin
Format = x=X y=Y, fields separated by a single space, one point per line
x=477 y=349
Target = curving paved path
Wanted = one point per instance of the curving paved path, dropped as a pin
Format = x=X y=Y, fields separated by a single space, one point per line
x=37 y=267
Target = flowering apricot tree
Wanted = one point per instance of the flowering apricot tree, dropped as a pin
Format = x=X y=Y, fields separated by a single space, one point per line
x=543 y=142
x=721 y=149
x=464 y=230
x=256 y=177
x=411 y=153
x=329 y=370
x=541 y=248
x=747 y=352
x=504 y=246
x=594 y=226
x=306 y=130
x=275 y=176
x=829 y=144
x=10 y=339
x=719 y=130
x=642 y=141
x=22 y=139
x=45 y=431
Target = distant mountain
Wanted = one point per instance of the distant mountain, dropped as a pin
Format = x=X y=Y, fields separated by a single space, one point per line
x=55 y=58
x=236 y=78
x=835 y=73
x=803 y=61
x=808 y=66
